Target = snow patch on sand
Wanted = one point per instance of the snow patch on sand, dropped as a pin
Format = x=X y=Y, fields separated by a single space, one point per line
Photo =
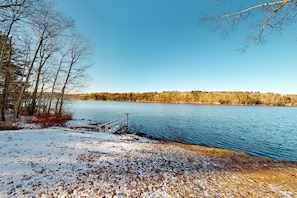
x=63 y=162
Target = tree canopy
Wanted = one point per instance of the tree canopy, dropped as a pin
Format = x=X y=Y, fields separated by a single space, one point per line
x=195 y=97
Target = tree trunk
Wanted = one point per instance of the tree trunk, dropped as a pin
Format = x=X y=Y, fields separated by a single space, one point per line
x=4 y=95
x=54 y=84
x=6 y=84
x=57 y=104
x=4 y=91
x=29 y=73
x=64 y=87
x=19 y=97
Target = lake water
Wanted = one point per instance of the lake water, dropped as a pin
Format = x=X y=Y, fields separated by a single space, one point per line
x=257 y=130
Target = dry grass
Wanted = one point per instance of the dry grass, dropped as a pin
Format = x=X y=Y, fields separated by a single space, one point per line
x=193 y=171
x=262 y=171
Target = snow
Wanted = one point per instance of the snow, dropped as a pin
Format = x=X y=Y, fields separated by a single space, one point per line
x=63 y=162
x=84 y=123
x=52 y=161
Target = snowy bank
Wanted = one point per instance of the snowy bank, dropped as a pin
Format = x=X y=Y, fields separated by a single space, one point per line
x=62 y=162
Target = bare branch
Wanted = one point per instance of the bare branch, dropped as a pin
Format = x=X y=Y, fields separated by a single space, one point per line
x=10 y=5
x=266 y=21
x=276 y=14
x=239 y=14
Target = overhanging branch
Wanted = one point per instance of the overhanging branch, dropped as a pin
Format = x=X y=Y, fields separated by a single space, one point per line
x=238 y=14
x=275 y=15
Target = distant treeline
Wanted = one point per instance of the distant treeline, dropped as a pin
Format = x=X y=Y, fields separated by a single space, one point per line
x=194 y=97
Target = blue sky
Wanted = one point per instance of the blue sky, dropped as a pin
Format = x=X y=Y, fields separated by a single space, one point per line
x=160 y=45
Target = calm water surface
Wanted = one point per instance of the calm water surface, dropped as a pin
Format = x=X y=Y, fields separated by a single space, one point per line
x=260 y=131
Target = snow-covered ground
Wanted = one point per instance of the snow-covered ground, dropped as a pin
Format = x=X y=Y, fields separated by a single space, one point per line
x=62 y=162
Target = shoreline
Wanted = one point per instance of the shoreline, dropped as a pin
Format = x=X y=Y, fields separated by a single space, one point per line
x=74 y=163
x=187 y=103
x=89 y=125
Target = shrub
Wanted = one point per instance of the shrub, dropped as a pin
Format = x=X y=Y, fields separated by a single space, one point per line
x=51 y=119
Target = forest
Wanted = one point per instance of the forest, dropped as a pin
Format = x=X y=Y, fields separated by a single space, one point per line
x=194 y=97
x=40 y=52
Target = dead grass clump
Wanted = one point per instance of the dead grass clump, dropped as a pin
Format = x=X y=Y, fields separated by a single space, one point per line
x=8 y=126
x=210 y=151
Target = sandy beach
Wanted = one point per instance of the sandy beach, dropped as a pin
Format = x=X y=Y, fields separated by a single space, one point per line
x=63 y=162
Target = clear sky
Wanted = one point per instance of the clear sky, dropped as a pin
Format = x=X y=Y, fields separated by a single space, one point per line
x=160 y=45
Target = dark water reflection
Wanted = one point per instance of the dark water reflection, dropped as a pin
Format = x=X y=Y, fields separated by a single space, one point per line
x=260 y=131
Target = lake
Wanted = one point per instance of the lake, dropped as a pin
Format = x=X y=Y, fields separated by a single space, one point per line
x=258 y=130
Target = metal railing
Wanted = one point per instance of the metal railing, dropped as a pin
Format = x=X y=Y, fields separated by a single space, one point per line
x=114 y=126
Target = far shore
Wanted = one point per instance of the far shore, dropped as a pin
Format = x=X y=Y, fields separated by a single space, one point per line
x=194 y=97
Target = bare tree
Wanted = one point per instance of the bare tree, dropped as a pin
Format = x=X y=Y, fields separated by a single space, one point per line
x=58 y=71
x=11 y=12
x=48 y=26
x=23 y=84
x=77 y=51
x=269 y=15
x=7 y=74
x=45 y=52
x=41 y=34
x=5 y=4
